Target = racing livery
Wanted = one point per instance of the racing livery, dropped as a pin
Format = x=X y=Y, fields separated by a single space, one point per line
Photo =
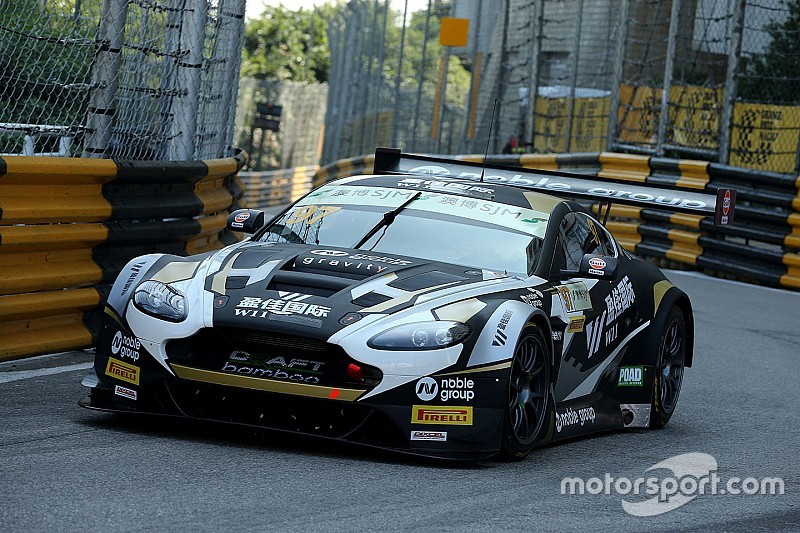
x=437 y=307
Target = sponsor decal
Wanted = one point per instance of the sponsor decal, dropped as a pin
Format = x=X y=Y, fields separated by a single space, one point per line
x=330 y=253
x=534 y=298
x=429 y=435
x=575 y=296
x=311 y=214
x=125 y=392
x=572 y=417
x=433 y=170
x=558 y=335
x=631 y=376
x=121 y=370
x=241 y=217
x=441 y=415
x=286 y=369
x=726 y=203
x=576 y=324
x=500 y=336
x=135 y=270
x=288 y=303
x=620 y=300
x=125 y=346
x=445 y=389
x=444 y=185
x=597 y=263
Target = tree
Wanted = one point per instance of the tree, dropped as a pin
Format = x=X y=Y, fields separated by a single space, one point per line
x=282 y=45
x=774 y=76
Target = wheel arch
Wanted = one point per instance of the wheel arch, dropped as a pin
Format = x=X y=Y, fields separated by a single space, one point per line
x=678 y=298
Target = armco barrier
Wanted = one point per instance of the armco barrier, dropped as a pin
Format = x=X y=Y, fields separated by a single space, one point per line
x=68 y=226
x=276 y=187
x=761 y=246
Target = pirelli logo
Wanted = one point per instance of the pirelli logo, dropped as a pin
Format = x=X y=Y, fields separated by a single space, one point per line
x=441 y=415
x=117 y=369
x=576 y=324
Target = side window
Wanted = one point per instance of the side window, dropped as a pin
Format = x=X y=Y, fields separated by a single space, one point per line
x=578 y=235
x=598 y=241
x=573 y=234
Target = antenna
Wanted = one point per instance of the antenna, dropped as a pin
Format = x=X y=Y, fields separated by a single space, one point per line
x=488 y=140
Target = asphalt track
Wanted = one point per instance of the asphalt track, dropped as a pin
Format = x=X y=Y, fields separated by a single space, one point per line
x=63 y=468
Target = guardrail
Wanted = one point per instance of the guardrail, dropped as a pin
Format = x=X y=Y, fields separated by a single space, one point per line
x=67 y=227
x=276 y=187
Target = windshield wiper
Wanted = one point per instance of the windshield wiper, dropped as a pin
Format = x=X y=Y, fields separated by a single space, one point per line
x=386 y=220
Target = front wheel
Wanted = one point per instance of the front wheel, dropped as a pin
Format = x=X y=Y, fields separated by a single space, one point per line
x=669 y=369
x=528 y=400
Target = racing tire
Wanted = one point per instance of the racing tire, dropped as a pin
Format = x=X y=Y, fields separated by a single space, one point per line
x=669 y=368
x=528 y=403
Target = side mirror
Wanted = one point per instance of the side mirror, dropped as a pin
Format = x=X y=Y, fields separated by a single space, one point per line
x=595 y=267
x=246 y=220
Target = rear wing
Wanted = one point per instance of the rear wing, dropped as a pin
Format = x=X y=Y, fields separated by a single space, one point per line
x=564 y=184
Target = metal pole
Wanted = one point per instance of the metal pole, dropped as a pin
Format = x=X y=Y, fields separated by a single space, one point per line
x=380 y=72
x=365 y=101
x=105 y=78
x=421 y=77
x=331 y=111
x=310 y=44
x=396 y=112
x=233 y=58
x=726 y=124
x=182 y=143
x=576 y=51
x=443 y=100
x=618 y=74
x=359 y=82
x=536 y=51
x=474 y=87
x=663 y=115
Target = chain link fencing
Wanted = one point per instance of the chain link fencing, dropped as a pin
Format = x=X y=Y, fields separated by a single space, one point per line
x=128 y=79
x=717 y=80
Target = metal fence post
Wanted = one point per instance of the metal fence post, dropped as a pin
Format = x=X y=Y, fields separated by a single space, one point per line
x=396 y=111
x=369 y=84
x=184 y=126
x=663 y=114
x=726 y=123
x=576 y=52
x=421 y=77
x=536 y=52
x=381 y=49
x=358 y=78
x=618 y=74
x=232 y=62
x=105 y=78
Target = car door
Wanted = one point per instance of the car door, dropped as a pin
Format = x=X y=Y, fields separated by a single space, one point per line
x=591 y=334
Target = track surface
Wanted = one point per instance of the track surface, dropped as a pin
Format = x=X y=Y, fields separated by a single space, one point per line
x=64 y=468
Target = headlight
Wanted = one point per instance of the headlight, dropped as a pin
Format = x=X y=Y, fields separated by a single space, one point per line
x=421 y=336
x=160 y=300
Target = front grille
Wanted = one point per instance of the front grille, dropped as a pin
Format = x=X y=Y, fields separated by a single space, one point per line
x=266 y=340
x=268 y=355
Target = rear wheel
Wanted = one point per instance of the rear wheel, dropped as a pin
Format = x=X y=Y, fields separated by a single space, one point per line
x=669 y=369
x=528 y=394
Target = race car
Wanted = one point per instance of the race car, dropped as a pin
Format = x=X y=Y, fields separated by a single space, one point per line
x=437 y=307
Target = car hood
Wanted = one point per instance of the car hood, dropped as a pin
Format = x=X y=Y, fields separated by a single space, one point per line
x=315 y=291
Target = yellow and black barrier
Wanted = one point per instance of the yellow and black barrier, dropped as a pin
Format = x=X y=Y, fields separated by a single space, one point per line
x=277 y=187
x=68 y=226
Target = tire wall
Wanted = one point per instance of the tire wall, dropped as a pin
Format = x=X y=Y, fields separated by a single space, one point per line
x=67 y=227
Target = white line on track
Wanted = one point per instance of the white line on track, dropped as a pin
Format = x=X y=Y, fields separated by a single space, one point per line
x=7 y=377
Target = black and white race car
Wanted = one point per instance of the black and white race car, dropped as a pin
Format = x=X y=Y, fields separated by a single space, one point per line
x=437 y=307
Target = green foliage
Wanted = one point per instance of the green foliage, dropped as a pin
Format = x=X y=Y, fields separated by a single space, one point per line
x=774 y=77
x=277 y=45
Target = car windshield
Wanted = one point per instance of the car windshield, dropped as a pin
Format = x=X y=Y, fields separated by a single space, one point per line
x=472 y=232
